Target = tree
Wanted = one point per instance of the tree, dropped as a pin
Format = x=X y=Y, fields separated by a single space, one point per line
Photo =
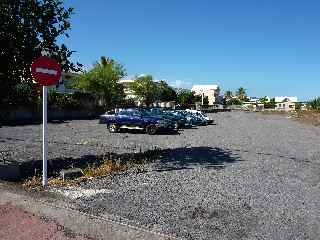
x=206 y=100
x=264 y=99
x=234 y=101
x=103 y=80
x=26 y=29
x=298 y=106
x=165 y=92
x=228 y=95
x=271 y=104
x=145 y=89
x=314 y=104
x=185 y=97
x=241 y=94
x=196 y=98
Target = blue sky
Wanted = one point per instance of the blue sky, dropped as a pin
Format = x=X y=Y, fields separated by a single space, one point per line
x=270 y=47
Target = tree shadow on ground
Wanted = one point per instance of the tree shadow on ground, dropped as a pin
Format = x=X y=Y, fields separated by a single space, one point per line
x=31 y=122
x=193 y=157
x=164 y=160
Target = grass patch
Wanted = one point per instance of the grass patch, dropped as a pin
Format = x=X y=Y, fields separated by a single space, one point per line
x=110 y=166
x=35 y=182
x=95 y=170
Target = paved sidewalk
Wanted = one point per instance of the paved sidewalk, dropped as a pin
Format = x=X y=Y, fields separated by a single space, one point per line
x=37 y=216
x=16 y=223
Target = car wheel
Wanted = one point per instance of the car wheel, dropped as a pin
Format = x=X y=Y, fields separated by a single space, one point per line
x=151 y=129
x=113 y=128
x=176 y=126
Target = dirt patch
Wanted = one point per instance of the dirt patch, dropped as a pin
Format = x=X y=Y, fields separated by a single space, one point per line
x=309 y=117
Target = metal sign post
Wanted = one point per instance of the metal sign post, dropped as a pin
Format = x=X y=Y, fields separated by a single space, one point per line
x=44 y=135
x=46 y=72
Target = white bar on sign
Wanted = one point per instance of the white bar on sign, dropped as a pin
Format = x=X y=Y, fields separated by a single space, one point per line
x=47 y=71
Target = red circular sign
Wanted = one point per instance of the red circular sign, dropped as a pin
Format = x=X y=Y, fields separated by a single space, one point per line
x=46 y=71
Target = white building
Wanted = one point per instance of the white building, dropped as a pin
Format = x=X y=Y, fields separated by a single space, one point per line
x=254 y=99
x=126 y=88
x=130 y=94
x=257 y=99
x=285 y=99
x=62 y=85
x=286 y=106
x=210 y=91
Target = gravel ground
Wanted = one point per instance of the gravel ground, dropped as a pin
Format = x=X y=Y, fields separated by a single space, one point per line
x=250 y=176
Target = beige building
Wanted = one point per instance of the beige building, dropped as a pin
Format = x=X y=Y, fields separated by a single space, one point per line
x=287 y=106
x=210 y=91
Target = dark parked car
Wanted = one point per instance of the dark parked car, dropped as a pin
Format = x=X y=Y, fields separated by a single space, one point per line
x=135 y=119
x=179 y=121
x=104 y=118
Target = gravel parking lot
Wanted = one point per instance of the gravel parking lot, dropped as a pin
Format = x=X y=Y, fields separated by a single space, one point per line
x=248 y=176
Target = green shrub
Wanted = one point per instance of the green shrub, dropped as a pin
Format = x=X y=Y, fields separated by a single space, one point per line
x=24 y=94
x=72 y=101
x=270 y=105
x=298 y=106
x=314 y=104
x=234 y=101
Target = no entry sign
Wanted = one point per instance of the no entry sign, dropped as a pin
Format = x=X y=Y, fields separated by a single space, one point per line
x=46 y=71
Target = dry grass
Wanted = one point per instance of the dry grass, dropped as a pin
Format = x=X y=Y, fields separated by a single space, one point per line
x=90 y=172
x=309 y=117
x=274 y=112
x=104 y=169
x=36 y=182
x=107 y=167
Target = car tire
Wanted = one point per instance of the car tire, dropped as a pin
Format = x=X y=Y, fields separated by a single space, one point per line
x=113 y=128
x=151 y=129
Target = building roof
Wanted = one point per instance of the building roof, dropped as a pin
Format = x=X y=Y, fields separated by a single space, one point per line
x=204 y=87
x=286 y=99
x=132 y=80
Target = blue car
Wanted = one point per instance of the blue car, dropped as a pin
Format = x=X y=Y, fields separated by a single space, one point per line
x=179 y=121
x=192 y=119
x=135 y=119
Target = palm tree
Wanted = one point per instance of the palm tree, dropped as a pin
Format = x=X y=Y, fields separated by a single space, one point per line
x=104 y=61
x=241 y=93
